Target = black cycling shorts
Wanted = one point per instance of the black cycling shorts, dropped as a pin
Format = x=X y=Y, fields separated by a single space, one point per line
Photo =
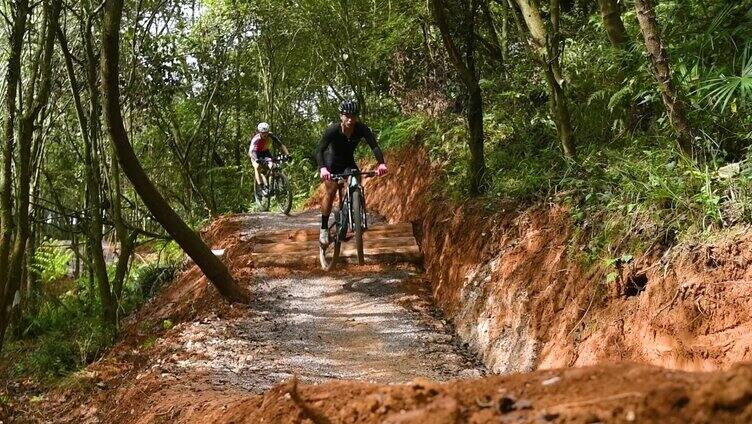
x=262 y=156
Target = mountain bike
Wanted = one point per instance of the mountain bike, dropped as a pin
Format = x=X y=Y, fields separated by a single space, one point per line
x=278 y=187
x=351 y=215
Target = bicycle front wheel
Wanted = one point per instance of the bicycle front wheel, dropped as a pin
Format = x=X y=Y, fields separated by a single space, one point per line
x=357 y=212
x=262 y=202
x=283 y=193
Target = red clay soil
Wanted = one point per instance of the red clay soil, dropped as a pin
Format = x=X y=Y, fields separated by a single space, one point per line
x=615 y=393
x=516 y=295
x=607 y=393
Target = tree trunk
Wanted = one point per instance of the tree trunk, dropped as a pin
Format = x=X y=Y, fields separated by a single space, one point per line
x=89 y=126
x=466 y=69
x=475 y=125
x=13 y=77
x=496 y=47
x=656 y=51
x=505 y=33
x=30 y=278
x=127 y=241
x=191 y=243
x=93 y=171
x=560 y=112
x=546 y=47
x=614 y=26
x=36 y=102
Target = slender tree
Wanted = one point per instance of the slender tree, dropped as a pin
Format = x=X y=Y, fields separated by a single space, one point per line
x=465 y=66
x=614 y=26
x=656 y=51
x=546 y=47
x=37 y=94
x=191 y=243
x=20 y=15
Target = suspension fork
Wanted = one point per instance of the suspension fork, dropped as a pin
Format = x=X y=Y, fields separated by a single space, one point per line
x=353 y=184
x=363 y=206
x=349 y=207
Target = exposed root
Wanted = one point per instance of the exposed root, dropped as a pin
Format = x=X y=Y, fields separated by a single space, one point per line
x=310 y=412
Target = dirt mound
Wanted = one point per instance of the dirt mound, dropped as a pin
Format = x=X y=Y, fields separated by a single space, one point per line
x=614 y=393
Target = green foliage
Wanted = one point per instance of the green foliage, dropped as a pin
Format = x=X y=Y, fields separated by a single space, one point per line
x=169 y=252
x=64 y=334
x=732 y=90
x=150 y=278
x=50 y=261
x=446 y=142
x=167 y=324
x=404 y=131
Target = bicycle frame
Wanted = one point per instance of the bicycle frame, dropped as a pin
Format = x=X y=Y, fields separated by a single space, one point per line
x=272 y=168
x=345 y=203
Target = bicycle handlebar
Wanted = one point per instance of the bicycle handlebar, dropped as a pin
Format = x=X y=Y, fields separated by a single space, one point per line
x=344 y=175
x=278 y=159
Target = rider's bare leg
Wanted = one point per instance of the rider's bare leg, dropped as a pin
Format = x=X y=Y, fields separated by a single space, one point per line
x=330 y=192
x=330 y=188
x=256 y=172
x=260 y=176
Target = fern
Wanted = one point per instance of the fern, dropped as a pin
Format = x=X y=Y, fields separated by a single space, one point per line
x=50 y=261
x=620 y=96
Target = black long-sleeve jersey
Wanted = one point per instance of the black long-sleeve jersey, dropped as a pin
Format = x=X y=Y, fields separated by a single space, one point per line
x=337 y=152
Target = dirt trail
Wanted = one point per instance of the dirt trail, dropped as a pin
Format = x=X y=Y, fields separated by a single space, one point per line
x=374 y=326
x=370 y=324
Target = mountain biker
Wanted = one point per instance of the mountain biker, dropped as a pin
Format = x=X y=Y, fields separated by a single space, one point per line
x=336 y=153
x=260 y=154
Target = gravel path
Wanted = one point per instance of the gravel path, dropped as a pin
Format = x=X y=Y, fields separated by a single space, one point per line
x=355 y=324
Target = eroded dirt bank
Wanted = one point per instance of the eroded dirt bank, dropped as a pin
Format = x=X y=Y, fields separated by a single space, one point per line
x=508 y=282
x=618 y=393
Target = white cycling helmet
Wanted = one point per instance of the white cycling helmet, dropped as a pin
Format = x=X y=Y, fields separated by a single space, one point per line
x=263 y=127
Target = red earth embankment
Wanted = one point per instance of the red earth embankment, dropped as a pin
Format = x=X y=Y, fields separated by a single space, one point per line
x=507 y=280
x=618 y=393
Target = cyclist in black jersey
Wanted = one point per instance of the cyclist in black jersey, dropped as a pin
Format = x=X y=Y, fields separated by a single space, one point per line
x=336 y=153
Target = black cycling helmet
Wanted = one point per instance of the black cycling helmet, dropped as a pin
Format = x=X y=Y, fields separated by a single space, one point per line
x=349 y=107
